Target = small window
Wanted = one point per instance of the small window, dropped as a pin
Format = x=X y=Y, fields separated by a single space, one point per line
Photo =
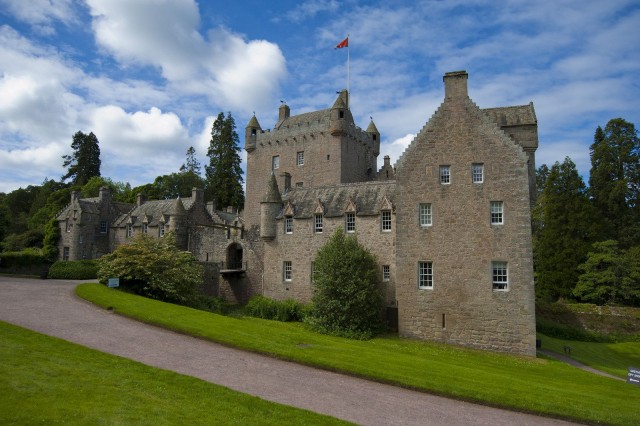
x=254 y=132
x=314 y=272
x=103 y=227
x=65 y=253
x=425 y=275
x=287 y=270
x=145 y=228
x=445 y=175
x=161 y=229
x=129 y=231
x=426 y=218
x=350 y=222
x=477 y=173
x=300 y=158
x=386 y=272
x=69 y=226
x=299 y=184
x=500 y=276
x=318 y=224
x=275 y=162
x=375 y=137
x=328 y=157
x=288 y=225
x=341 y=114
x=497 y=213
x=386 y=220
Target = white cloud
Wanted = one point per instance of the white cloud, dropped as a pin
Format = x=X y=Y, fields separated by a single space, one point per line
x=231 y=71
x=311 y=8
x=40 y=14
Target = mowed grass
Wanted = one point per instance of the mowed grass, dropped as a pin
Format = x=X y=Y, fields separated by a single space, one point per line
x=44 y=380
x=533 y=385
x=612 y=358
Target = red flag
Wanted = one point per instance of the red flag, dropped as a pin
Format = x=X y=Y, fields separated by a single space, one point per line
x=343 y=43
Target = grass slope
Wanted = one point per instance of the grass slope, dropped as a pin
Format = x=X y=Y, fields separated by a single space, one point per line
x=44 y=380
x=528 y=384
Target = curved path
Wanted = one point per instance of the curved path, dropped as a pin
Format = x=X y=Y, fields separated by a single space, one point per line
x=50 y=307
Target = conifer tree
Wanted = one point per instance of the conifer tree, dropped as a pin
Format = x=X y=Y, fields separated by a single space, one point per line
x=569 y=228
x=84 y=163
x=615 y=180
x=192 y=164
x=223 y=174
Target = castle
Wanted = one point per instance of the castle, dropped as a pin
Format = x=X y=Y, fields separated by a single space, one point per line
x=450 y=225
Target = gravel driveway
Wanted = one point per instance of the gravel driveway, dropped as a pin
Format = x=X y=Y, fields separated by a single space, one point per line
x=50 y=307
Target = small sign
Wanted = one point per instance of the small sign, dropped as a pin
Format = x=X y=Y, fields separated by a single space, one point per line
x=113 y=282
x=633 y=376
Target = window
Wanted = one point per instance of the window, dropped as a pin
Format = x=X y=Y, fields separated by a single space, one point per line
x=161 y=229
x=445 y=175
x=314 y=271
x=300 y=158
x=145 y=228
x=287 y=270
x=318 y=224
x=425 y=274
x=65 y=253
x=288 y=225
x=103 y=227
x=497 y=213
x=350 y=222
x=477 y=173
x=69 y=226
x=500 y=276
x=299 y=184
x=386 y=220
x=386 y=273
x=129 y=231
x=275 y=162
x=425 y=214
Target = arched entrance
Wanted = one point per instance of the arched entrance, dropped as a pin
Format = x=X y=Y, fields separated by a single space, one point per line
x=234 y=256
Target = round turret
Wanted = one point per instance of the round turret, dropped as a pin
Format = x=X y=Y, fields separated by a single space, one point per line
x=251 y=134
x=269 y=208
x=374 y=134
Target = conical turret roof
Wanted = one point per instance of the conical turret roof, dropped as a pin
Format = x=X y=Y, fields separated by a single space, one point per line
x=272 y=195
x=254 y=122
x=177 y=209
x=341 y=102
x=372 y=127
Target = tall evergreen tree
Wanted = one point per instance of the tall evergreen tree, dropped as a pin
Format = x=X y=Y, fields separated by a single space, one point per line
x=615 y=180
x=84 y=163
x=223 y=174
x=568 y=230
x=192 y=164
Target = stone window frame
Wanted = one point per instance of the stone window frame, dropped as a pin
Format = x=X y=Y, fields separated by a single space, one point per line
x=500 y=275
x=288 y=225
x=161 y=230
x=385 y=221
x=129 y=230
x=68 y=226
x=275 y=162
x=350 y=222
x=386 y=273
x=318 y=223
x=287 y=271
x=496 y=212
x=300 y=158
x=313 y=272
x=425 y=215
x=145 y=228
x=445 y=174
x=103 y=227
x=425 y=275
x=477 y=173
x=65 y=253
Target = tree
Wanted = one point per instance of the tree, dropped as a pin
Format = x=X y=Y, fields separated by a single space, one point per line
x=223 y=174
x=569 y=227
x=347 y=300
x=192 y=165
x=615 y=180
x=154 y=268
x=610 y=276
x=84 y=163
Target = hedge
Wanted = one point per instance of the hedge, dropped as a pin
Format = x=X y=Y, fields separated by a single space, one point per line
x=74 y=270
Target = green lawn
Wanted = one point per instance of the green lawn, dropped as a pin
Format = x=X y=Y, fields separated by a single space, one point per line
x=44 y=380
x=521 y=383
x=613 y=358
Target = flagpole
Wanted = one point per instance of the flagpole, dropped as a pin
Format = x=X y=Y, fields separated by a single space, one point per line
x=348 y=68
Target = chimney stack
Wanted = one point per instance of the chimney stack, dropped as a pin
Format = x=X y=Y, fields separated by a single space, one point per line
x=455 y=85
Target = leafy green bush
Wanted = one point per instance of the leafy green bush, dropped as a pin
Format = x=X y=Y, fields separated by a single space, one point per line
x=347 y=300
x=74 y=270
x=26 y=257
x=286 y=310
x=212 y=304
x=154 y=268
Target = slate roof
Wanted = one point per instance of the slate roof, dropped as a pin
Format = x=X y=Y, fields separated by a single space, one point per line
x=367 y=196
x=512 y=115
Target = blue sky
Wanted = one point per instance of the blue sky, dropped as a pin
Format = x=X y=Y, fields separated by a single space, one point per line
x=148 y=76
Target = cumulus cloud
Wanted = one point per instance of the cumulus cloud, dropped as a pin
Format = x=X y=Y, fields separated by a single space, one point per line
x=40 y=14
x=238 y=74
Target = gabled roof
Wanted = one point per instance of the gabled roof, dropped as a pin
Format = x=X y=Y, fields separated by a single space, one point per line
x=512 y=115
x=367 y=196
